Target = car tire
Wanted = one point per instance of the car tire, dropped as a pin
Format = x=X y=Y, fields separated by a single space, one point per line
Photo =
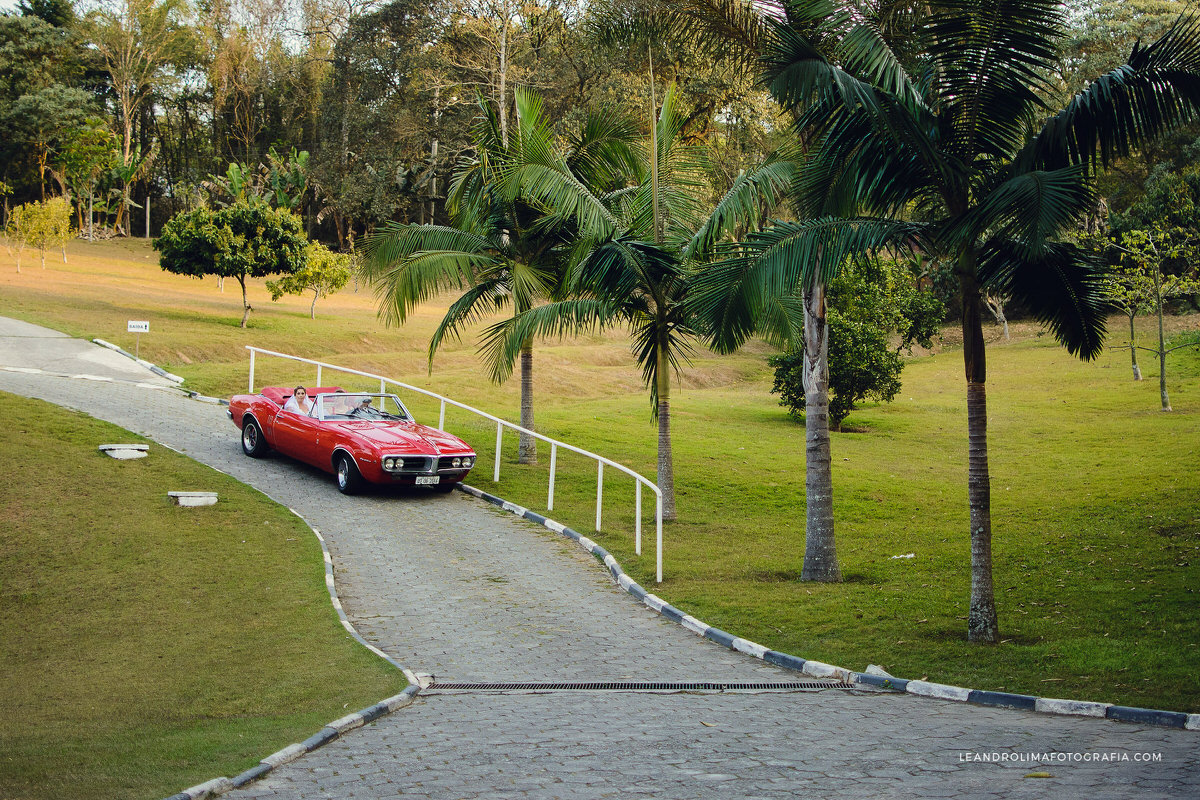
x=253 y=443
x=349 y=479
x=445 y=488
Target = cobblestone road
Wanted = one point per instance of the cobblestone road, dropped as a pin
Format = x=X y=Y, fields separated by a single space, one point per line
x=450 y=587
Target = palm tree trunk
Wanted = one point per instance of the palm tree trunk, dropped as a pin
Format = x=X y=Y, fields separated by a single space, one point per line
x=982 y=624
x=820 y=549
x=666 y=463
x=526 y=444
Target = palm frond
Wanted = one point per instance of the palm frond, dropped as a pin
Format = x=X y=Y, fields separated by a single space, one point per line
x=651 y=334
x=859 y=38
x=728 y=30
x=752 y=194
x=1157 y=90
x=501 y=343
x=410 y=264
x=992 y=59
x=1031 y=208
x=480 y=300
x=602 y=154
x=623 y=268
x=536 y=169
x=731 y=295
x=1063 y=287
x=849 y=117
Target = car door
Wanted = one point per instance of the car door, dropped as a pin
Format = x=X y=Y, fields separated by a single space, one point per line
x=297 y=435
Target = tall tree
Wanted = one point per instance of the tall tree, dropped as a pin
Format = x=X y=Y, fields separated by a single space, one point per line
x=39 y=76
x=935 y=136
x=501 y=249
x=138 y=41
x=632 y=262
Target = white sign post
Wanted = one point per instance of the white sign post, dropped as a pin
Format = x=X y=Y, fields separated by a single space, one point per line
x=139 y=327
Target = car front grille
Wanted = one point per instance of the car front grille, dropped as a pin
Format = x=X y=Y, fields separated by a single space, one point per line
x=423 y=465
x=414 y=464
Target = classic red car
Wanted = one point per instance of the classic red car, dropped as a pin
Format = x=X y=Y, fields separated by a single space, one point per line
x=358 y=436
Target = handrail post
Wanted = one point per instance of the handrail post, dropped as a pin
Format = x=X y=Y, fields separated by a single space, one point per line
x=637 y=515
x=658 y=541
x=553 y=464
x=319 y=384
x=499 y=439
x=382 y=386
x=599 y=492
x=251 y=389
x=442 y=417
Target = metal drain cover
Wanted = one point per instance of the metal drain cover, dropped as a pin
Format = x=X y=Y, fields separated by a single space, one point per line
x=636 y=686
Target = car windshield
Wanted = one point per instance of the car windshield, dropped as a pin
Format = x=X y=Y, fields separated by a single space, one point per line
x=361 y=406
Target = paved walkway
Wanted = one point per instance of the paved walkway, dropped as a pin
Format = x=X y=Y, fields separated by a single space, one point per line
x=448 y=586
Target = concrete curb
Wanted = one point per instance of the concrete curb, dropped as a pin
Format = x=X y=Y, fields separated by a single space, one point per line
x=157 y=370
x=335 y=729
x=162 y=373
x=816 y=669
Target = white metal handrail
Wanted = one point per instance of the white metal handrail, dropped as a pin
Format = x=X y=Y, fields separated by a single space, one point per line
x=500 y=426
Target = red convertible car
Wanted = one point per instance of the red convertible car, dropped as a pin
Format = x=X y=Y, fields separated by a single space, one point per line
x=358 y=436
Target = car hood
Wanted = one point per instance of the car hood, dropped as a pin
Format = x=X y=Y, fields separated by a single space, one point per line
x=409 y=437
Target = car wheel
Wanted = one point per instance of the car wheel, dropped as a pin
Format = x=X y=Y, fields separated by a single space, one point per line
x=253 y=443
x=349 y=479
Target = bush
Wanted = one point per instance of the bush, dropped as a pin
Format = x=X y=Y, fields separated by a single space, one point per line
x=246 y=239
x=868 y=307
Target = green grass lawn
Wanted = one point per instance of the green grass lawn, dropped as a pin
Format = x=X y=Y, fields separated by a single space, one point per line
x=1095 y=493
x=147 y=647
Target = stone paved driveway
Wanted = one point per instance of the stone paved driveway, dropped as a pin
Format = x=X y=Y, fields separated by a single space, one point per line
x=448 y=586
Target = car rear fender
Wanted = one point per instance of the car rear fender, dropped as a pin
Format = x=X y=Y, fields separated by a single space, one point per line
x=248 y=415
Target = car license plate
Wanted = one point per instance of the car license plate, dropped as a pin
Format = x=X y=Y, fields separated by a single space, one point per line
x=428 y=480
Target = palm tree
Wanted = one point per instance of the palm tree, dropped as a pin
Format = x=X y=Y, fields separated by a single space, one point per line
x=631 y=262
x=502 y=251
x=929 y=131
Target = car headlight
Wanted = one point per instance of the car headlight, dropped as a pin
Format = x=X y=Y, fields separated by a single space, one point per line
x=389 y=463
x=468 y=461
x=456 y=463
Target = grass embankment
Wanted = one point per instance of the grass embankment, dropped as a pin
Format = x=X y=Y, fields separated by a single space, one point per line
x=1096 y=515
x=149 y=647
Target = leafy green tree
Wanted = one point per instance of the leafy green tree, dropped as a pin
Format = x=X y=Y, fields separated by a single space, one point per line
x=1140 y=285
x=325 y=272
x=86 y=153
x=47 y=121
x=929 y=131
x=39 y=70
x=246 y=239
x=15 y=230
x=870 y=306
x=41 y=225
x=385 y=100
x=1156 y=242
x=59 y=13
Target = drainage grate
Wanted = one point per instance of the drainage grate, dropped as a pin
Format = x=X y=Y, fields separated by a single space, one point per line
x=630 y=686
